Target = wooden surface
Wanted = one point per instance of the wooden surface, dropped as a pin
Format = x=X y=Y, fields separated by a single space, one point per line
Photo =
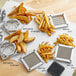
x=55 y=6
x=13 y=68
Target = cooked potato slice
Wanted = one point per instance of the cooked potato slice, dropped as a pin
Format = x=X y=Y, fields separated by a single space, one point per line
x=13 y=34
x=23 y=47
x=26 y=34
x=29 y=39
x=13 y=39
x=21 y=37
x=37 y=21
x=18 y=48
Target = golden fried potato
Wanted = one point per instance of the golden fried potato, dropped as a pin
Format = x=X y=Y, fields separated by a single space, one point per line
x=65 y=39
x=45 y=51
x=21 y=37
x=14 y=38
x=26 y=34
x=23 y=47
x=18 y=48
x=29 y=39
x=13 y=34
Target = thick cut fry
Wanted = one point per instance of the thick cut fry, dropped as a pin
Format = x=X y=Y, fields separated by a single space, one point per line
x=22 y=21
x=13 y=34
x=21 y=37
x=23 y=47
x=21 y=9
x=14 y=11
x=46 y=19
x=26 y=34
x=37 y=21
x=13 y=39
x=29 y=39
x=44 y=23
x=33 y=11
x=23 y=18
x=18 y=48
x=39 y=18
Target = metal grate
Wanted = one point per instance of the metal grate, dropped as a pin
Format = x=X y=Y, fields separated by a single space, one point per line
x=64 y=52
x=31 y=60
x=58 y=20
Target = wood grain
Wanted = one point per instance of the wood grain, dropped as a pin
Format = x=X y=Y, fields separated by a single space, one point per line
x=55 y=6
x=13 y=68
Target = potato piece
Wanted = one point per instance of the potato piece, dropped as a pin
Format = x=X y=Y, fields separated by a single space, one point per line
x=39 y=18
x=46 y=19
x=33 y=11
x=23 y=18
x=14 y=11
x=41 y=23
x=26 y=34
x=18 y=48
x=37 y=21
x=21 y=37
x=29 y=39
x=22 y=21
x=13 y=34
x=23 y=47
x=29 y=18
x=13 y=39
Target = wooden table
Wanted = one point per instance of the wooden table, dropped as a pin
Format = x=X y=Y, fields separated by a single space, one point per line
x=55 y=6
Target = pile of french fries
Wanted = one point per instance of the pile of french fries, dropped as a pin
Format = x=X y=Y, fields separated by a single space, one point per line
x=44 y=23
x=20 y=39
x=45 y=51
x=22 y=14
x=65 y=39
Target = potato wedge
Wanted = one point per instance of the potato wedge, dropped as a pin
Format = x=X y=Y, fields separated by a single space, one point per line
x=13 y=34
x=21 y=37
x=18 y=48
x=23 y=47
x=26 y=34
x=29 y=39
x=13 y=39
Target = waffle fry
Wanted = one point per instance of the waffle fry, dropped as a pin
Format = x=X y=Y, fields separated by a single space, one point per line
x=20 y=39
x=45 y=51
x=44 y=23
x=65 y=39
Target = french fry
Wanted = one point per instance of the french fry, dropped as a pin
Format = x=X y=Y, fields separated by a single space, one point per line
x=23 y=47
x=65 y=39
x=19 y=14
x=44 y=23
x=21 y=37
x=14 y=11
x=46 y=19
x=39 y=18
x=33 y=11
x=26 y=34
x=29 y=39
x=45 y=51
x=13 y=39
x=37 y=21
x=13 y=34
x=18 y=48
